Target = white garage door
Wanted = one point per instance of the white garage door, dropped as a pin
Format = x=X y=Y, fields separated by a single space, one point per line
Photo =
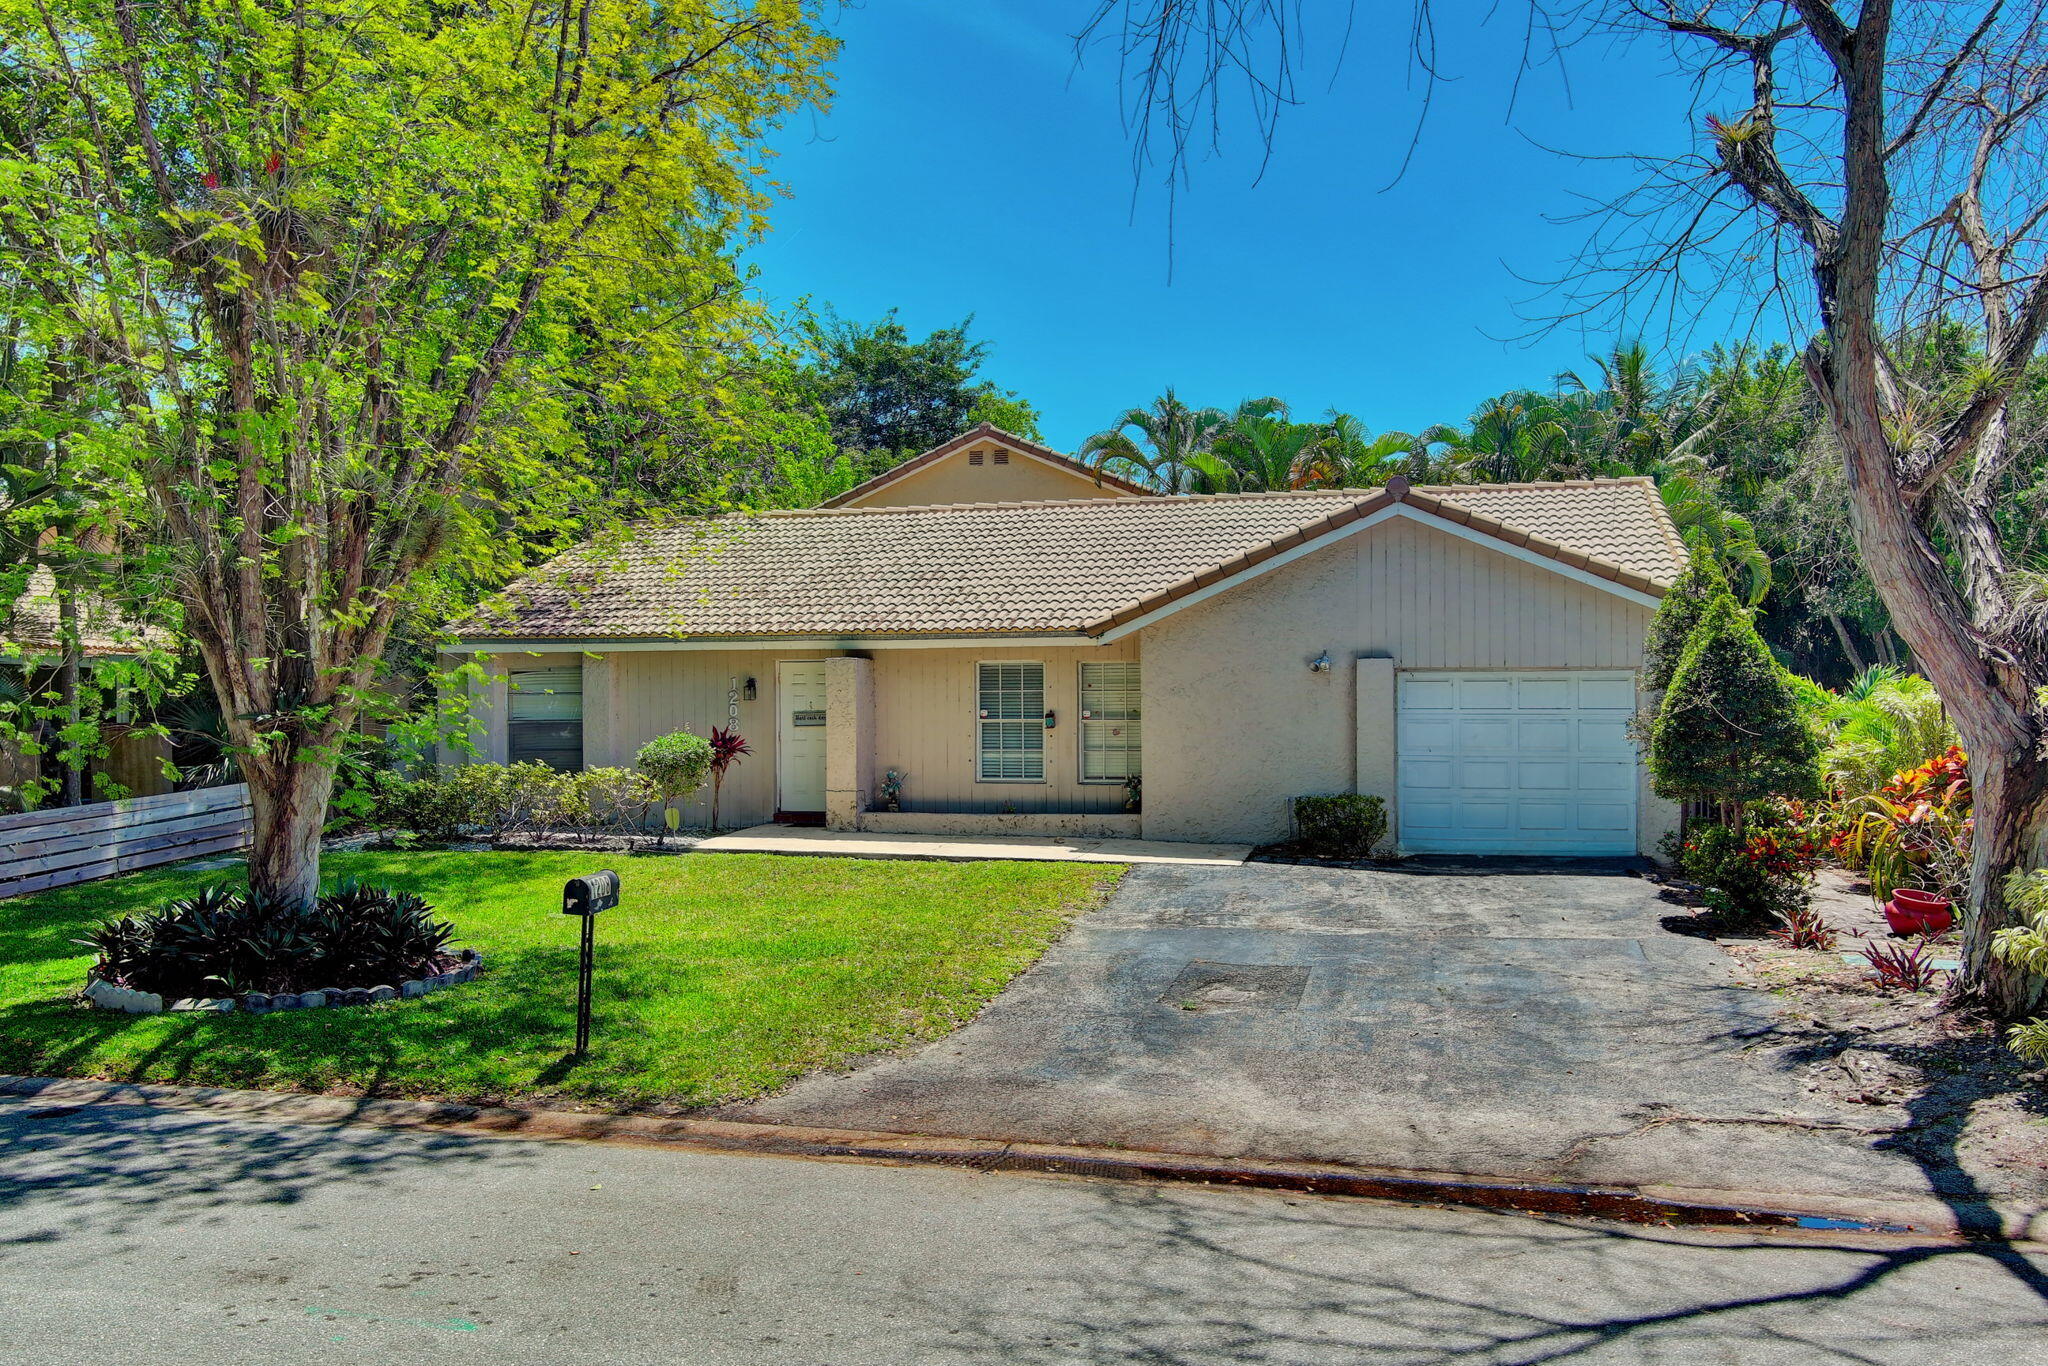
x=1516 y=763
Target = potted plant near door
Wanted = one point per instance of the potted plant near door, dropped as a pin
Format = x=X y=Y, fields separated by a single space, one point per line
x=727 y=745
x=890 y=789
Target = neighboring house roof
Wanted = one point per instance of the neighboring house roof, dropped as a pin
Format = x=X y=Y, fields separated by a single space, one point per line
x=32 y=624
x=1083 y=567
x=987 y=431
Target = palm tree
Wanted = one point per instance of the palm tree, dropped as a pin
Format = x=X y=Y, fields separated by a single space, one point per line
x=1258 y=451
x=1154 y=445
x=1513 y=437
x=1344 y=454
x=1710 y=529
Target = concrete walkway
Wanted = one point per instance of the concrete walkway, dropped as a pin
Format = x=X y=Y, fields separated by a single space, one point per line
x=796 y=839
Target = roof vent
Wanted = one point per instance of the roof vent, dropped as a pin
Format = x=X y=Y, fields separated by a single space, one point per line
x=1002 y=457
x=974 y=457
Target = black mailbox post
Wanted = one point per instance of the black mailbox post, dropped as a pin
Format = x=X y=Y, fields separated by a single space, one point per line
x=585 y=897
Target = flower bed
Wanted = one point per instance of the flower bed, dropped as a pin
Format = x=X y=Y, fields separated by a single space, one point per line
x=110 y=996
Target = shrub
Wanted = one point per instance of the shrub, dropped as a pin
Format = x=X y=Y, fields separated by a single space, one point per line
x=1916 y=830
x=498 y=800
x=1343 y=825
x=1678 y=614
x=1765 y=871
x=678 y=764
x=1730 y=729
x=224 y=942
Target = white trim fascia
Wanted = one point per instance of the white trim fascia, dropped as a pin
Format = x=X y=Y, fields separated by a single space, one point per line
x=607 y=647
x=1429 y=519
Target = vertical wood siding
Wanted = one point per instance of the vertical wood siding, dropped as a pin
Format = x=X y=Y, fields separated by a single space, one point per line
x=925 y=725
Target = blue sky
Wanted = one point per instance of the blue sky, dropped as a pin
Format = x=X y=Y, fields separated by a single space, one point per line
x=968 y=166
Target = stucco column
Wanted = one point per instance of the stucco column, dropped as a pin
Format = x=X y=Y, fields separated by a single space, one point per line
x=849 y=739
x=1375 y=771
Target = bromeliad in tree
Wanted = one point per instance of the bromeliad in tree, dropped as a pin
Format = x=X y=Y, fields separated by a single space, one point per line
x=727 y=745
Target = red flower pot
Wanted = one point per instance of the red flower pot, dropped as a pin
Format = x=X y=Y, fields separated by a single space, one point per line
x=1932 y=909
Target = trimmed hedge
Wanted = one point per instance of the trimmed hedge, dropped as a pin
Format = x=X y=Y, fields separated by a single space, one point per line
x=1341 y=825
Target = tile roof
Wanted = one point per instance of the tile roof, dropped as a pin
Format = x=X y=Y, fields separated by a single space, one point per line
x=987 y=431
x=1042 y=568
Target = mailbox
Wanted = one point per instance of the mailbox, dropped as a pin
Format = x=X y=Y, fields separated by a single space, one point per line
x=589 y=895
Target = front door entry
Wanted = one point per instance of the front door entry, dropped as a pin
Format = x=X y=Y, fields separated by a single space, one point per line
x=800 y=739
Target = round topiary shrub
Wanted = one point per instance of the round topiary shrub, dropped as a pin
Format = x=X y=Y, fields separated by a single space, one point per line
x=677 y=764
x=224 y=942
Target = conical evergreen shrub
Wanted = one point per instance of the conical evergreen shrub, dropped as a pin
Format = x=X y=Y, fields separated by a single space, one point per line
x=1730 y=729
x=1677 y=616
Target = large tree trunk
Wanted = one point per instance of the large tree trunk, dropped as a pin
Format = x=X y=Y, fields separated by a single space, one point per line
x=289 y=806
x=2010 y=792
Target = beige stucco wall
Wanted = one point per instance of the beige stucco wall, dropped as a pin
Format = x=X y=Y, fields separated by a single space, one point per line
x=1227 y=680
x=925 y=725
x=953 y=480
x=629 y=697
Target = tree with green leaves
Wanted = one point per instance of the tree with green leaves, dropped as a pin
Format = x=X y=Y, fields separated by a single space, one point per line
x=346 y=271
x=1729 y=729
x=1678 y=616
x=884 y=392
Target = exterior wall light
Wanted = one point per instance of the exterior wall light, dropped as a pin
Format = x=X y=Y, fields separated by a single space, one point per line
x=1320 y=664
x=750 y=692
x=1050 y=721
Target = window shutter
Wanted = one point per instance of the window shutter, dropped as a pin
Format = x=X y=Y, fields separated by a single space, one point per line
x=1111 y=732
x=1010 y=714
x=545 y=724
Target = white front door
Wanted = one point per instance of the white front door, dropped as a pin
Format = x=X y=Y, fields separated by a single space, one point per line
x=1516 y=763
x=800 y=736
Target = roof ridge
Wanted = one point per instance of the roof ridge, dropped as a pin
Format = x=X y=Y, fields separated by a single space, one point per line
x=1602 y=481
x=1180 y=499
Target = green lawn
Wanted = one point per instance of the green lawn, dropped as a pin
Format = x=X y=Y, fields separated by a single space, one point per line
x=720 y=976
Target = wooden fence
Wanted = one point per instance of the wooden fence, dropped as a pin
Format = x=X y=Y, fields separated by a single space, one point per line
x=63 y=845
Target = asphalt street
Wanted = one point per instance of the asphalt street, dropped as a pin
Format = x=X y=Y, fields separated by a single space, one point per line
x=133 y=1234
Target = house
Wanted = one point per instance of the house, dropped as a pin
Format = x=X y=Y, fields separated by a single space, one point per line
x=1023 y=649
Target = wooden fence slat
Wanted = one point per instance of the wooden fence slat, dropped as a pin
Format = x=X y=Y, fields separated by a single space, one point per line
x=44 y=849
x=77 y=855
x=55 y=846
x=109 y=867
x=119 y=815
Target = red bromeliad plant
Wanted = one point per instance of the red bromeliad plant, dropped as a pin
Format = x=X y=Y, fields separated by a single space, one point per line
x=727 y=745
x=1916 y=830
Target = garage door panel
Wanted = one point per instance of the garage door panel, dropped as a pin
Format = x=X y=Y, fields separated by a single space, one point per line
x=1483 y=774
x=1486 y=693
x=1422 y=693
x=1603 y=735
x=1483 y=734
x=1618 y=694
x=1516 y=763
x=1553 y=693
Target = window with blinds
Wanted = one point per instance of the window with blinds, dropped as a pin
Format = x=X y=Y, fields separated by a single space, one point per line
x=546 y=721
x=1111 y=748
x=1010 y=703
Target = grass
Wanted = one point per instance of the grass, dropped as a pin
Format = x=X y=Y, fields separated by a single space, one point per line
x=719 y=976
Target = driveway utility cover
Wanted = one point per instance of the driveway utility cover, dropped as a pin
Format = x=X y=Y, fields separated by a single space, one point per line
x=1510 y=1019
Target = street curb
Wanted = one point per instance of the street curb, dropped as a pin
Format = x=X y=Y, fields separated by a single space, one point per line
x=1660 y=1205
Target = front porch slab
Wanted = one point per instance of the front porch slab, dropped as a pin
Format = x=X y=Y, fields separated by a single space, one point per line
x=785 y=839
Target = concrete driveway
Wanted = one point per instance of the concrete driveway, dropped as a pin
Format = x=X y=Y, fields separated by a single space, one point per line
x=1487 y=1018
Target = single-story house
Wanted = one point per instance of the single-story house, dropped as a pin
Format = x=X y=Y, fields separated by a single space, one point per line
x=1021 y=638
